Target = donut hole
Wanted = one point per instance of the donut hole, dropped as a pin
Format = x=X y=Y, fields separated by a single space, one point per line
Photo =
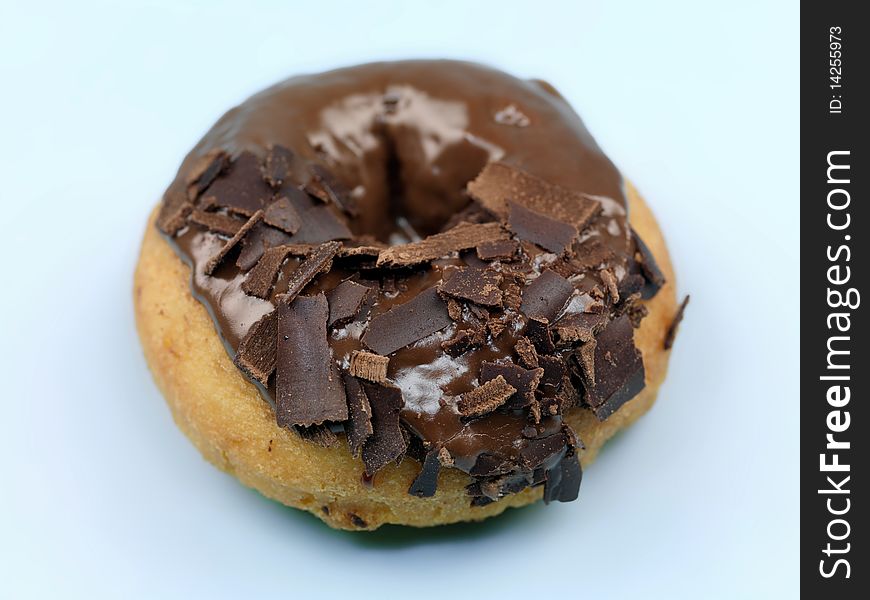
x=407 y=196
x=410 y=156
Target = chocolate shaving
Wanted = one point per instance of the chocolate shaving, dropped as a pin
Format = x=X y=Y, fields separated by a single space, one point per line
x=372 y=367
x=346 y=300
x=299 y=199
x=407 y=323
x=549 y=234
x=538 y=331
x=173 y=211
x=463 y=341
x=563 y=481
x=319 y=261
x=498 y=250
x=675 y=324
x=241 y=188
x=486 y=398
x=546 y=295
x=282 y=215
x=475 y=285
x=319 y=224
x=636 y=313
x=609 y=281
x=454 y=309
x=387 y=442
x=360 y=251
x=526 y=352
x=586 y=358
x=308 y=388
x=216 y=222
x=612 y=368
x=653 y=275
x=554 y=373
x=461 y=237
x=257 y=351
x=498 y=183
x=333 y=190
x=538 y=450
x=524 y=381
x=591 y=254
x=231 y=243
x=631 y=284
x=488 y=464
x=513 y=296
x=495 y=326
x=579 y=327
x=426 y=482
x=261 y=278
x=261 y=238
x=358 y=427
x=278 y=165
x=204 y=172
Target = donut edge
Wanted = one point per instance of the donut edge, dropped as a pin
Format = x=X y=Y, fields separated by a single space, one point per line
x=225 y=417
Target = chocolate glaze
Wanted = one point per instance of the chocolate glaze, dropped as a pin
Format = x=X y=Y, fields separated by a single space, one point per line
x=407 y=137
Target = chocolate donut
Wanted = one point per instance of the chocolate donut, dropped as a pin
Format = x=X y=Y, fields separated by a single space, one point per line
x=426 y=277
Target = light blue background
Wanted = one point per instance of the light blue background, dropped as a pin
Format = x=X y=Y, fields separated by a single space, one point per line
x=102 y=497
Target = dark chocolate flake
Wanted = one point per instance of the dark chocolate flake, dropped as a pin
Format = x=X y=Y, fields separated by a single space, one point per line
x=278 y=165
x=546 y=295
x=257 y=351
x=173 y=214
x=563 y=481
x=308 y=387
x=231 y=243
x=550 y=234
x=613 y=371
x=653 y=275
x=591 y=254
x=498 y=250
x=488 y=464
x=358 y=428
x=426 y=482
x=387 y=442
x=259 y=239
x=675 y=323
x=261 y=278
x=554 y=373
x=368 y=366
x=241 y=188
x=204 y=172
x=539 y=450
x=319 y=224
x=538 y=331
x=579 y=327
x=282 y=215
x=524 y=381
x=407 y=323
x=609 y=281
x=319 y=261
x=461 y=237
x=216 y=222
x=475 y=285
x=526 y=352
x=463 y=341
x=333 y=189
x=486 y=398
x=346 y=300
x=498 y=183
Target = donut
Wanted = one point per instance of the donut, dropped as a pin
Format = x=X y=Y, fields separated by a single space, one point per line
x=408 y=292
